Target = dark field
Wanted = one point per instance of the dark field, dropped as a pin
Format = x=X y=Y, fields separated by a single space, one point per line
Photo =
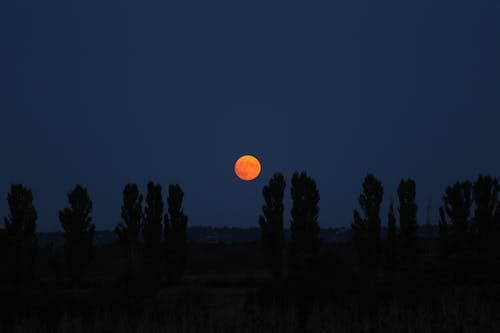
x=461 y=294
x=270 y=308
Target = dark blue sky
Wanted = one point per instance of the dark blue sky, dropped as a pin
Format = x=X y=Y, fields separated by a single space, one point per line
x=108 y=92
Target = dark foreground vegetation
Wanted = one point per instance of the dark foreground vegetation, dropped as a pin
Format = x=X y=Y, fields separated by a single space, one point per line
x=153 y=279
x=271 y=307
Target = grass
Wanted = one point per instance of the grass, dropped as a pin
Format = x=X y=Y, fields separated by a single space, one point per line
x=207 y=309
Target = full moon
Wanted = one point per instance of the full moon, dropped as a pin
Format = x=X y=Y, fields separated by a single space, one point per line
x=247 y=167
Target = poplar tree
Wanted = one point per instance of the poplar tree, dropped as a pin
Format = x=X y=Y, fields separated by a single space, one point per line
x=271 y=223
x=366 y=227
x=128 y=230
x=304 y=226
x=443 y=232
x=79 y=232
x=457 y=203
x=175 y=234
x=152 y=232
x=408 y=220
x=485 y=196
x=20 y=226
x=392 y=238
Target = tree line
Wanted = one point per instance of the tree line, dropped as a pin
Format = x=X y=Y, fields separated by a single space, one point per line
x=469 y=222
x=155 y=245
x=160 y=236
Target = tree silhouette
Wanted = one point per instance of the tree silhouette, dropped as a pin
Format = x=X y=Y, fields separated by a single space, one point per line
x=428 y=236
x=497 y=226
x=497 y=214
x=457 y=204
x=392 y=238
x=152 y=232
x=53 y=262
x=175 y=234
x=304 y=225
x=271 y=223
x=408 y=220
x=129 y=228
x=21 y=228
x=366 y=229
x=485 y=196
x=443 y=232
x=79 y=233
x=5 y=262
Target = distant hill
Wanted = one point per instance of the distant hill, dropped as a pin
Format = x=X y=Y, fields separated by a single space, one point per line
x=203 y=234
x=228 y=235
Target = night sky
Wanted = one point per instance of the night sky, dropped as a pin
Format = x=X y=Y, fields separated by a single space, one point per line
x=103 y=93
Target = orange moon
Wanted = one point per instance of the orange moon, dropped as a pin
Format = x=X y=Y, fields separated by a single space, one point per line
x=247 y=167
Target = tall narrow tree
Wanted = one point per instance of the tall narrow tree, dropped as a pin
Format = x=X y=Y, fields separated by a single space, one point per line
x=129 y=229
x=497 y=214
x=443 y=232
x=176 y=237
x=271 y=223
x=428 y=232
x=366 y=228
x=79 y=232
x=21 y=228
x=497 y=227
x=5 y=262
x=408 y=220
x=152 y=232
x=457 y=204
x=392 y=238
x=304 y=225
x=485 y=196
